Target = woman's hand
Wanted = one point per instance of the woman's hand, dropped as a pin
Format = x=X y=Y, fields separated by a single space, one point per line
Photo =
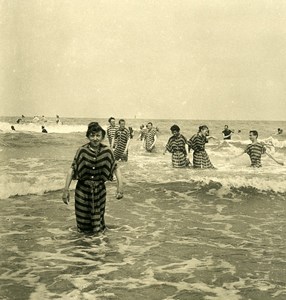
x=66 y=196
x=119 y=193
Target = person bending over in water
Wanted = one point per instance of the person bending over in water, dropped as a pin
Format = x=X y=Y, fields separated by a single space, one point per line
x=197 y=143
x=177 y=145
x=93 y=165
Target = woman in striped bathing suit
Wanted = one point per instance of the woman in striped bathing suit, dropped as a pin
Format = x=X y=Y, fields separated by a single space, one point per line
x=177 y=145
x=93 y=164
x=197 y=143
x=122 y=138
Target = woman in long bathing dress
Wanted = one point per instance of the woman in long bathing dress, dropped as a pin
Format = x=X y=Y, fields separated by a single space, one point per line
x=177 y=145
x=197 y=143
x=92 y=166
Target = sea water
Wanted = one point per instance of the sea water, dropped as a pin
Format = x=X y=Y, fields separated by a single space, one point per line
x=176 y=234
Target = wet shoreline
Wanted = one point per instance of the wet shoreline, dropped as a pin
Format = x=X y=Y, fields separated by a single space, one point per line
x=162 y=243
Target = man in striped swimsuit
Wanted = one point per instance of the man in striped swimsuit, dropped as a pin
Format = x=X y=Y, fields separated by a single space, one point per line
x=255 y=149
x=111 y=129
x=150 y=138
x=122 y=138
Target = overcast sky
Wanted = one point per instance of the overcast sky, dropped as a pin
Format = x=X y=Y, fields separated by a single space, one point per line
x=192 y=59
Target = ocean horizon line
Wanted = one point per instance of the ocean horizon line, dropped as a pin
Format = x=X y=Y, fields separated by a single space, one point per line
x=153 y=118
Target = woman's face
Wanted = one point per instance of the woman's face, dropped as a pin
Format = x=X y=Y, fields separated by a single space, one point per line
x=95 y=138
x=175 y=133
x=205 y=131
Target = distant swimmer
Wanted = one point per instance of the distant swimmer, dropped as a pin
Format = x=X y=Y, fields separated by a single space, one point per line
x=255 y=150
x=19 y=121
x=58 y=120
x=177 y=145
x=44 y=130
x=279 y=131
x=227 y=133
x=13 y=128
x=197 y=143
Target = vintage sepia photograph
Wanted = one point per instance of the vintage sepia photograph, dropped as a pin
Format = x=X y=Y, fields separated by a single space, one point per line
x=143 y=149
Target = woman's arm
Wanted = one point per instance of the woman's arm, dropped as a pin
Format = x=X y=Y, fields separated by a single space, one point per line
x=154 y=143
x=127 y=145
x=66 y=195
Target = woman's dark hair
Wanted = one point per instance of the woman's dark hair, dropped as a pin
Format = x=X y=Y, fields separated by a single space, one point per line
x=175 y=128
x=202 y=127
x=94 y=127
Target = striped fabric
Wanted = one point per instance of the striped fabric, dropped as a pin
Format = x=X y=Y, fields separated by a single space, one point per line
x=255 y=151
x=201 y=160
x=122 y=136
x=176 y=146
x=149 y=139
x=200 y=157
x=110 y=132
x=92 y=169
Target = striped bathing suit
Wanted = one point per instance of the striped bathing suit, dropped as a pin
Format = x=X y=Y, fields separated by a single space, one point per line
x=149 y=139
x=91 y=169
x=122 y=136
x=176 y=146
x=200 y=157
x=110 y=132
x=255 y=151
